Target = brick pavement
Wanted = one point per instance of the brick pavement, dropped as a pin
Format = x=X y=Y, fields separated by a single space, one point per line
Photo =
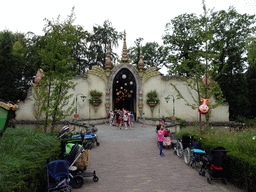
x=128 y=161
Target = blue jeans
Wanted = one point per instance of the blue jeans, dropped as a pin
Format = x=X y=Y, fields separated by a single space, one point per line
x=161 y=146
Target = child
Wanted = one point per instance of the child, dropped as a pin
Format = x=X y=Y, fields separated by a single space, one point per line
x=161 y=139
x=125 y=120
x=163 y=120
x=143 y=120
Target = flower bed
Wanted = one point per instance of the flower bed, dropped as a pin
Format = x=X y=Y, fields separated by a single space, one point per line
x=242 y=155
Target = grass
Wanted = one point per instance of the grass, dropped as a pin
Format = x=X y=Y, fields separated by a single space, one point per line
x=22 y=151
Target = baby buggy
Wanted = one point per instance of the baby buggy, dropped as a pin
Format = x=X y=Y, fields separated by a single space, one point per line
x=58 y=176
x=215 y=164
x=90 y=139
x=78 y=159
x=65 y=131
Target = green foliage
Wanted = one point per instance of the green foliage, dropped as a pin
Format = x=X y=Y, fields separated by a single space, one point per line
x=152 y=93
x=100 y=39
x=10 y=67
x=154 y=55
x=57 y=63
x=94 y=99
x=95 y=92
x=22 y=159
x=152 y=96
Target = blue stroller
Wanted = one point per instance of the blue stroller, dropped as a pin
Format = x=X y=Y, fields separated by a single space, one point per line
x=90 y=139
x=58 y=176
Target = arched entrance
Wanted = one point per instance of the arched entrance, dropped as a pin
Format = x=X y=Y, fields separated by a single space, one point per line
x=124 y=90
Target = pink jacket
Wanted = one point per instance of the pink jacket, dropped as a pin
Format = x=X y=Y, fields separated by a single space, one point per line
x=160 y=135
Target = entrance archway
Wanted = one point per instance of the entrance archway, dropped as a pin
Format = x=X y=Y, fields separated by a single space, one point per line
x=124 y=90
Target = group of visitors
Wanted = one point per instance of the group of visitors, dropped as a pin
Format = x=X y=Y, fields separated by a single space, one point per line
x=121 y=118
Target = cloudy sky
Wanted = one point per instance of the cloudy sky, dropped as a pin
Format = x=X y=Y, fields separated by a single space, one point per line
x=140 y=18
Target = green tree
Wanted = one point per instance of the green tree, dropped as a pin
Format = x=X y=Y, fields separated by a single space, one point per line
x=10 y=66
x=154 y=55
x=194 y=58
x=251 y=75
x=56 y=63
x=99 y=40
x=134 y=52
x=231 y=30
x=183 y=42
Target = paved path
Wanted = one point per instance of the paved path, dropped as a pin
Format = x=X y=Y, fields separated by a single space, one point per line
x=128 y=161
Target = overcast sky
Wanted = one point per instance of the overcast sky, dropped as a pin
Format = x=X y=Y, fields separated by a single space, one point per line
x=140 y=18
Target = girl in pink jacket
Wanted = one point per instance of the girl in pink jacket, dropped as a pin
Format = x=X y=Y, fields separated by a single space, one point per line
x=161 y=139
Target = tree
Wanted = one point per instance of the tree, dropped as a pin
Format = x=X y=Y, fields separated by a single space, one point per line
x=10 y=67
x=134 y=52
x=153 y=54
x=251 y=75
x=99 y=40
x=56 y=63
x=193 y=59
x=231 y=30
x=183 y=42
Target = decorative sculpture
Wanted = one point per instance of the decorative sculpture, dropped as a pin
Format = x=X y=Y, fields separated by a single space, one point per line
x=203 y=108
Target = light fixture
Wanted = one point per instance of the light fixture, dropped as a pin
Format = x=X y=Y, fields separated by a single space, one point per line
x=121 y=87
x=131 y=83
x=131 y=91
x=129 y=95
x=125 y=84
x=117 y=81
x=167 y=98
x=116 y=89
x=117 y=93
x=124 y=76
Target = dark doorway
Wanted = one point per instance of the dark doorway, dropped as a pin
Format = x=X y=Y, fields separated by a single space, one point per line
x=124 y=90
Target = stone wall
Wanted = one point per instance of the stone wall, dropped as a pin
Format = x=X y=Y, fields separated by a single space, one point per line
x=157 y=82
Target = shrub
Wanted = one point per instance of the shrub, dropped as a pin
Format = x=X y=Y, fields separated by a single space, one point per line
x=23 y=156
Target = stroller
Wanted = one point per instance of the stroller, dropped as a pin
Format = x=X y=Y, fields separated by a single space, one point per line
x=65 y=131
x=80 y=157
x=215 y=164
x=58 y=176
x=90 y=139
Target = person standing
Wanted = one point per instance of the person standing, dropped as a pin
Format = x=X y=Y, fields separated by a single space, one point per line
x=117 y=119
x=161 y=139
x=125 y=120
x=143 y=120
x=131 y=119
x=163 y=120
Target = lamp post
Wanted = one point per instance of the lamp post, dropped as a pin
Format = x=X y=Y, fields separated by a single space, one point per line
x=83 y=97
x=167 y=98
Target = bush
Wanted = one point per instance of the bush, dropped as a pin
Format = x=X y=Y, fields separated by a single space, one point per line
x=23 y=156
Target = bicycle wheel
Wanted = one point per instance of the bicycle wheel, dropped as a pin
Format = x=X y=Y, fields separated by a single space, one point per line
x=179 y=149
x=187 y=155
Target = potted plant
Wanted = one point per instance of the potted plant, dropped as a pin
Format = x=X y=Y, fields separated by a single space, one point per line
x=152 y=100
x=95 y=101
x=152 y=93
x=95 y=93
